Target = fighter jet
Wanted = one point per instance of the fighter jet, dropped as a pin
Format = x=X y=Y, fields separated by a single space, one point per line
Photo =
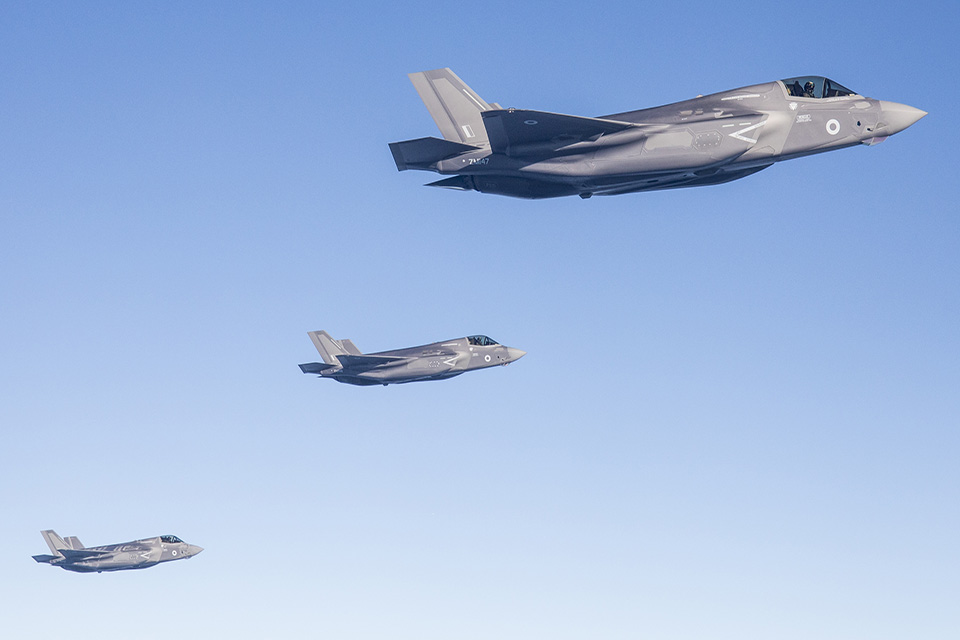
x=704 y=141
x=343 y=362
x=70 y=554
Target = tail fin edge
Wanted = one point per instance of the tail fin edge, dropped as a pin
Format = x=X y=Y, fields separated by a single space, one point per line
x=54 y=541
x=329 y=348
x=454 y=106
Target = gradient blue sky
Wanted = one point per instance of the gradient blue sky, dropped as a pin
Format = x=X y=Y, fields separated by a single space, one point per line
x=739 y=413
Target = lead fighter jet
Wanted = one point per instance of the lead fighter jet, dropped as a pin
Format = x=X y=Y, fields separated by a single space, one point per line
x=707 y=140
x=343 y=362
x=70 y=554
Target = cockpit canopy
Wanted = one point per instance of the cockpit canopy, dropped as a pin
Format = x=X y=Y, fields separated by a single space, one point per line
x=481 y=341
x=170 y=539
x=815 y=87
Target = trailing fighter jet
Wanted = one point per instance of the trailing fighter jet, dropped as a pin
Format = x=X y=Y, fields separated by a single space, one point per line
x=704 y=141
x=70 y=554
x=343 y=362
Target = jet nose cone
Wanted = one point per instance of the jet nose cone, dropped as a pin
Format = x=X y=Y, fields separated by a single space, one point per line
x=896 y=117
x=193 y=550
x=515 y=354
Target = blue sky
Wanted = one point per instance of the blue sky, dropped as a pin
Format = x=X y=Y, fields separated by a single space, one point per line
x=738 y=413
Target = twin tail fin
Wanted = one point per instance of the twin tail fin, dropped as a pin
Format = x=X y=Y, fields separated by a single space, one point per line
x=457 y=110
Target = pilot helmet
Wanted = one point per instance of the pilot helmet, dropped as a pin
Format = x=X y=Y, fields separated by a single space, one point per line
x=809 y=86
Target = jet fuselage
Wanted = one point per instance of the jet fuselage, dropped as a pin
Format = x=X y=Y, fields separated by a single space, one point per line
x=703 y=141
x=436 y=361
x=137 y=554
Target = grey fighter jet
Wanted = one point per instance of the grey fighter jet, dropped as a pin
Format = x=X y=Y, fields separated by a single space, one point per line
x=704 y=141
x=71 y=555
x=343 y=362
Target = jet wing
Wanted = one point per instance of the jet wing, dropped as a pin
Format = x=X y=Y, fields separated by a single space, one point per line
x=369 y=362
x=510 y=130
x=82 y=554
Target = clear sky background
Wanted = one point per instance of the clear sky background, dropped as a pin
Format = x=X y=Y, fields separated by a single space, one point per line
x=738 y=416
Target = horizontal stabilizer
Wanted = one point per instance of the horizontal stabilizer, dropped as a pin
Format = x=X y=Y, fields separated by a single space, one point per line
x=369 y=362
x=45 y=558
x=510 y=130
x=423 y=152
x=82 y=554
x=316 y=367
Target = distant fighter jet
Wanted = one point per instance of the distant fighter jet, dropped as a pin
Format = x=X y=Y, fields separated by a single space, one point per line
x=343 y=362
x=707 y=140
x=71 y=555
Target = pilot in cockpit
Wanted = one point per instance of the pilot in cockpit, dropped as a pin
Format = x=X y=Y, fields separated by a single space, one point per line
x=808 y=90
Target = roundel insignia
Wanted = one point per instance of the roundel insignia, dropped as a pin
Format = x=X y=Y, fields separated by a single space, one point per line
x=833 y=126
x=530 y=122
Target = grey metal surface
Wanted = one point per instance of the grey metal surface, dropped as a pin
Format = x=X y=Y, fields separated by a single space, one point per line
x=70 y=554
x=343 y=362
x=704 y=141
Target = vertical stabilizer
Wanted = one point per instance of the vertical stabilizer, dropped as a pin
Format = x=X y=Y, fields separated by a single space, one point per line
x=73 y=542
x=329 y=348
x=350 y=347
x=455 y=107
x=54 y=541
